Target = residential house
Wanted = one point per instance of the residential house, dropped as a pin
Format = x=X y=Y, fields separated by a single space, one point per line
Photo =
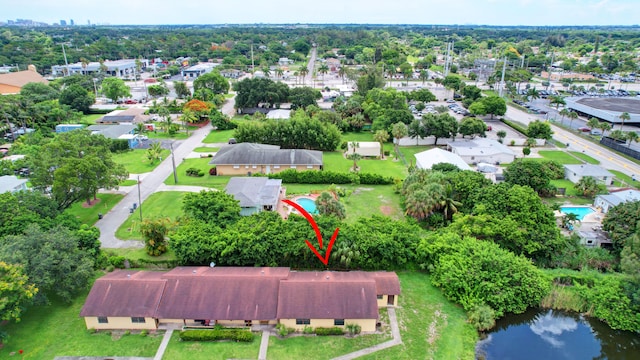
x=474 y=151
x=255 y=194
x=426 y=159
x=60 y=128
x=231 y=73
x=576 y=172
x=194 y=71
x=10 y=183
x=279 y=114
x=238 y=296
x=124 y=68
x=283 y=61
x=614 y=198
x=128 y=116
x=12 y=83
x=333 y=64
x=118 y=132
x=249 y=158
x=364 y=148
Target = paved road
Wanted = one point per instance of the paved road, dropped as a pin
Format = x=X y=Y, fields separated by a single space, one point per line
x=151 y=183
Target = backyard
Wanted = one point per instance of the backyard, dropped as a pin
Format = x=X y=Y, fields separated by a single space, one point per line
x=136 y=161
x=163 y=204
x=218 y=182
x=89 y=215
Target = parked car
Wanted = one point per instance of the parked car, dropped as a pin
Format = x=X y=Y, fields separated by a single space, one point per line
x=232 y=141
x=584 y=128
x=130 y=101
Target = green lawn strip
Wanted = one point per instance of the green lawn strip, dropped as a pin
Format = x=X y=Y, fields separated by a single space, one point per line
x=218 y=182
x=568 y=185
x=160 y=204
x=319 y=347
x=559 y=156
x=163 y=135
x=57 y=330
x=623 y=180
x=90 y=119
x=363 y=136
x=573 y=200
x=205 y=149
x=128 y=182
x=89 y=215
x=367 y=200
x=410 y=151
x=335 y=161
x=136 y=161
x=431 y=327
x=584 y=157
x=201 y=350
x=140 y=254
x=218 y=136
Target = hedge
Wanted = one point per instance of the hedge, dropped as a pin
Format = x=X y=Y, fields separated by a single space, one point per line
x=217 y=334
x=329 y=331
x=291 y=176
x=515 y=127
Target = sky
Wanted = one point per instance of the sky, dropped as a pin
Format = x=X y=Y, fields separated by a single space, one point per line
x=462 y=12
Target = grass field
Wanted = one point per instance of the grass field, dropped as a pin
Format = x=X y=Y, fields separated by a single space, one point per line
x=160 y=204
x=181 y=135
x=218 y=182
x=89 y=215
x=585 y=157
x=626 y=180
x=56 y=330
x=140 y=254
x=218 y=136
x=196 y=350
x=128 y=182
x=205 y=149
x=136 y=161
x=559 y=156
x=90 y=119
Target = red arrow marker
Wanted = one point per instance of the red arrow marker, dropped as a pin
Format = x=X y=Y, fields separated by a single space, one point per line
x=325 y=259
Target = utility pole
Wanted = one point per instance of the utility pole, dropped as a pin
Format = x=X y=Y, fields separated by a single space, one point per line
x=64 y=53
x=173 y=162
x=550 y=65
x=522 y=62
x=253 y=65
x=139 y=199
x=504 y=67
x=446 y=60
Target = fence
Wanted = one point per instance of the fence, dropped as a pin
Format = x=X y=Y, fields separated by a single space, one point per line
x=619 y=147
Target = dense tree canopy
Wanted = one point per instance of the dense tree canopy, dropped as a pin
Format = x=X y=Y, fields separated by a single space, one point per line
x=77 y=98
x=16 y=291
x=622 y=221
x=255 y=91
x=213 y=81
x=301 y=97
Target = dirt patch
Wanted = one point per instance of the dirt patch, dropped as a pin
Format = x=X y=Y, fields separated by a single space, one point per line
x=93 y=203
x=386 y=210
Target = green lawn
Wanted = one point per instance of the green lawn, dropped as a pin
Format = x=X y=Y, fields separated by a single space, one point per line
x=218 y=182
x=89 y=215
x=585 y=157
x=160 y=204
x=357 y=136
x=140 y=254
x=218 y=136
x=196 y=350
x=57 y=330
x=559 y=156
x=335 y=161
x=128 y=182
x=567 y=184
x=90 y=119
x=205 y=149
x=180 y=135
x=628 y=182
x=136 y=161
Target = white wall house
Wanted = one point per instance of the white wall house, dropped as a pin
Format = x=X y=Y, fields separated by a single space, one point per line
x=482 y=150
x=10 y=183
x=365 y=148
x=574 y=173
x=426 y=159
x=606 y=202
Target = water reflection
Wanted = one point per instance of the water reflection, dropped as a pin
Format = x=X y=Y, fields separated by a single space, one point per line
x=550 y=334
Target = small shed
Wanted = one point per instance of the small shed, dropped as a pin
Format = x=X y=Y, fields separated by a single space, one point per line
x=365 y=149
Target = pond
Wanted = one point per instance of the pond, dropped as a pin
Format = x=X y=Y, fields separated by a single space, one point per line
x=556 y=335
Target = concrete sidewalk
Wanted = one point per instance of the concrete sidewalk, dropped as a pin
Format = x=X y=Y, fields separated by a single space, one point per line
x=264 y=345
x=163 y=345
x=395 y=332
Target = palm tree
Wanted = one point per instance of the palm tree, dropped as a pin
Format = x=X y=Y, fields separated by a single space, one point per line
x=399 y=130
x=563 y=112
x=140 y=128
x=447 y=203
x=381 y=136
x=569 y=219
x=419 y=205
x=593 y=123
x=424 y=76
x=279 y=73
x=266 y=71
x=532 y=94
x=557 y=100
x=323 y=69
x=604 y=126
x=572 y=116
x=631 y=137
x=303 y=72
x=154 y=152
x=587 y=185
x=501 y=135
x=624 y=116
x=342 y=72
x=354 y=155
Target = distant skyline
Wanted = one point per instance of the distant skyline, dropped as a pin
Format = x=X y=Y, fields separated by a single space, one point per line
x=447 y=12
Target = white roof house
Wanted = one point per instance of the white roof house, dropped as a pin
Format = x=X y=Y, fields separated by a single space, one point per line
x=365 y=148
x=426 y=159
x=474 y=151
x=279 y=114
x=606 y=202
x=10 y=183
x=576 y=172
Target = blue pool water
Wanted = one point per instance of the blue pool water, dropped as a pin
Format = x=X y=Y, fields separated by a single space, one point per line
x=307 y=204
x=581 y=211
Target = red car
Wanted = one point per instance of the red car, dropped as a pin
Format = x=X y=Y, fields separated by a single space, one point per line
x=584 y=129
x=130 y=101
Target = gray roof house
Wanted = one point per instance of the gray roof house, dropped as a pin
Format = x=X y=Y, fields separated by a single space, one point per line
x=606 y=202
x=255 y=194
x=576 y=172
x=249 y=158
x=10 y=183
x=121 y=131
x=481 y=150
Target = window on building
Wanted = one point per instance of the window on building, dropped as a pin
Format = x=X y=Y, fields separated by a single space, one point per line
x=236 y=166
x=309 y=166
x=293 y=166
x=303 y=321
x=138 y=320
x=254 y=166
x=338 y=322
x=276 y=166
x=379 y=297
x=103 y=320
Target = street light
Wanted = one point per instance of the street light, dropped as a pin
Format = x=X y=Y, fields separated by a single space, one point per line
x=95 y=88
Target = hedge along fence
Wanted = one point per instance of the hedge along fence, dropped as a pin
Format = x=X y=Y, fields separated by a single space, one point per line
x=320 y=331
x=515 y=126
x=217 y=335
x=291 y=176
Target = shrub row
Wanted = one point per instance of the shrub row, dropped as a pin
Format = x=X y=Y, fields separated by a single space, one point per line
x=515 y=126
x=195 y=172
x=329 y=331
x=291 y=176
x=216 y=334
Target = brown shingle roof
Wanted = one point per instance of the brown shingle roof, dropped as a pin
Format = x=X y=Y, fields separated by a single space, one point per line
x=327 y=295
x=125 y=293
x=387 y=283
x=21 y=78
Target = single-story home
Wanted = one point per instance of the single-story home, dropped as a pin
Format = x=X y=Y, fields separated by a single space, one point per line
x=255 y=194
x=250 y=158
x=60 y=128
x=474 y=151
x=617 y=197
x=231 y=73
x=10 y=183
x=120 y=132
x=196 y=70
x=364 y=148
x=576 y=172
x=238 y=296
x=12 y=83
x=129 y=116
x=279 y=114
x=426 y=159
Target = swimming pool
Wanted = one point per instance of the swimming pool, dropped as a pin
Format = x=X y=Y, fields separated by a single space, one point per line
x=307 y=204
x=581 y=211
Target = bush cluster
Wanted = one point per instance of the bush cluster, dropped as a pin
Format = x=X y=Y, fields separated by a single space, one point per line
x=514 y=126
x=195 y=172
x=216 y=335
x=329 y=331
x=284 y=331
x=291 y=176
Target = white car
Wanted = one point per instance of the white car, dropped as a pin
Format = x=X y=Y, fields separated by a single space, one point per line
x=143 y=137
